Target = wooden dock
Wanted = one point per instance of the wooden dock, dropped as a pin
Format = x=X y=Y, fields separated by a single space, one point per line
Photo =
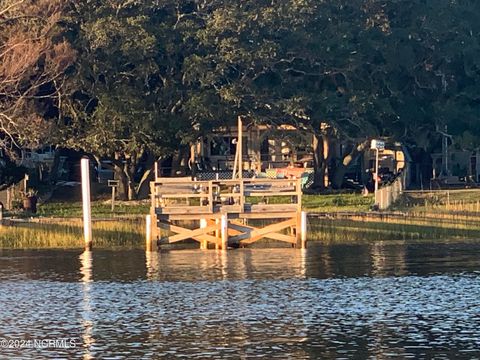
x=219 y=213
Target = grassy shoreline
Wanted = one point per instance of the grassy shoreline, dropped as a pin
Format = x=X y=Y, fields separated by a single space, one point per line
x=344 y=218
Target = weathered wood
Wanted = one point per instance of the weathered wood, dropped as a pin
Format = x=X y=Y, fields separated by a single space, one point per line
x=261 y=232
x=273 y=207
x=184 y=233
x=185 y=209
x=203 y=225
x=241 y=229
x=223 y=219
x=224 y=231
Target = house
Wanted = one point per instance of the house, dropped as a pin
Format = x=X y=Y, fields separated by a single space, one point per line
x=263 y=148
x=274 y=150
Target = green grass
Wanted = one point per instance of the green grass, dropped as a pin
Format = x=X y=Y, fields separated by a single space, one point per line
x=337 y=203
x=100 y=209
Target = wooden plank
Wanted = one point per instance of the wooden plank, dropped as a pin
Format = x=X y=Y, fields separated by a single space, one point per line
x=183 y=210
x=228 y=208
x=199 y=238
x=261 y=232
x=275 y=236
x=190 y=234
x=184 y=233
x=267 y=193
x=172 y=217
x=182 y=195
x=245 y=228
x=273 y=208
x=267 y=215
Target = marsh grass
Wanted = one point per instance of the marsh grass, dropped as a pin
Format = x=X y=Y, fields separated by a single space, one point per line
x=125 y=228
x=69 y=234
x=373 y=229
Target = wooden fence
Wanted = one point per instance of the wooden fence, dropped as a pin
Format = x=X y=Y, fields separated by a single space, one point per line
x=386 y=196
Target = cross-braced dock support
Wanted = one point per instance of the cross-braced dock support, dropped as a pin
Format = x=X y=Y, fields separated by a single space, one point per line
x=215 y=213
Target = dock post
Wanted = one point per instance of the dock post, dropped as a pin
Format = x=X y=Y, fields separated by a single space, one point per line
x=151 y=228
x=303 y=229
x=217 y=234
x=224 y=231
x=203 y=243
x=87 y=215
x=148 y=233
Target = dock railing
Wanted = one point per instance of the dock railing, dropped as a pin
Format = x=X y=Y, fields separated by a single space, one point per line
x=187 y=196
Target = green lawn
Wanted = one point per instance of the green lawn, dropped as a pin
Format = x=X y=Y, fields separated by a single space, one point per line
x=102 y=209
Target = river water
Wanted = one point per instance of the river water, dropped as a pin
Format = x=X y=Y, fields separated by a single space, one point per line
x=381 y=300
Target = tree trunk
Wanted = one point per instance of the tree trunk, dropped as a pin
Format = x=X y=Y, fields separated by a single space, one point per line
x=143 y=188
x=318 y=163
x=123 y=183
x=349 y=159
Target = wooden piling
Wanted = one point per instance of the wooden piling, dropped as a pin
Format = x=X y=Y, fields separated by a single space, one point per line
x=87 y=215
x=148 y=232
x=224 y=231
x=303 y=229
x=203 y=243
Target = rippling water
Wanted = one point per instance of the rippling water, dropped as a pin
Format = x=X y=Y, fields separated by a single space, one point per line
x=383 y=300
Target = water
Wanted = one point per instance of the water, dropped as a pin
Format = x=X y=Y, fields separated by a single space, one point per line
x=382 y=300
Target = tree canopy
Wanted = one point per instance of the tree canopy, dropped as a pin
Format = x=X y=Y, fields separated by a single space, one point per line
x=33 y=60
x=150 y=77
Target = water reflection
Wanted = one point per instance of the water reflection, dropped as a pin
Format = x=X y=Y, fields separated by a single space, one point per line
x=388 y=259
x=379 y=300
x=86 y=321
x=152 y=263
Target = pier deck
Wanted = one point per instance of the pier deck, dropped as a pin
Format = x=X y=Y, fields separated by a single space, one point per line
x=221 y=209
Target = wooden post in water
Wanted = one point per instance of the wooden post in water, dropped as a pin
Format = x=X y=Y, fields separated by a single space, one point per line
x=303 y=229
x=217 y=233
x=151 y=222
x=224 y=231
x=148 y=233
x=203 y=243
x=87 y=215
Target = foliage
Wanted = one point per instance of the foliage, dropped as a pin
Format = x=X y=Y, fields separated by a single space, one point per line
x=33 y=61
x=10 y=173
x=152 y=76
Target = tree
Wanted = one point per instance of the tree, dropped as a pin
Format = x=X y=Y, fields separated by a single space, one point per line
x=291 y=62
x=127 y=97
x=33 y=61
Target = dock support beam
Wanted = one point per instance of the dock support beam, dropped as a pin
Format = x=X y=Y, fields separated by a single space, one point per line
x=151 y=232
x=301 y=230
x=203 y=243
x=224 y=232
